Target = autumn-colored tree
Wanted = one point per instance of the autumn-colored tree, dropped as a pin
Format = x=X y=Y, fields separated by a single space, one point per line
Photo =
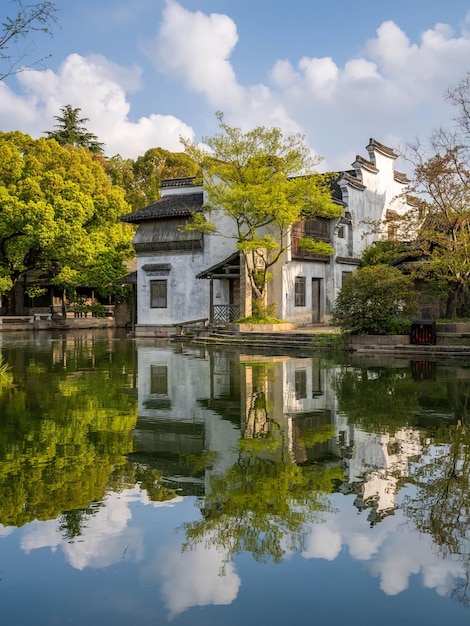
x=59 y=215
x=442 y=181
x=264 y=183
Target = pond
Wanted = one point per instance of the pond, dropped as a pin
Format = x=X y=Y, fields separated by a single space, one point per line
x=154 y=482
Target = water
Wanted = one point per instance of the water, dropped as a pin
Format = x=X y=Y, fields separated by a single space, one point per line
x=150 y=483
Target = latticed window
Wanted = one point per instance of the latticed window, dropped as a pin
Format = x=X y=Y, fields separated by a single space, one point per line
x=158 y=294
x=159 y=379
x=300 y=290
x=317 y=229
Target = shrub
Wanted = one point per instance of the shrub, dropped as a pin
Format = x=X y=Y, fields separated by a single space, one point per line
x=375 y=300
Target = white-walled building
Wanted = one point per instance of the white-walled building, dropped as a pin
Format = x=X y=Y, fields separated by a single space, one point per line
x=183 y=275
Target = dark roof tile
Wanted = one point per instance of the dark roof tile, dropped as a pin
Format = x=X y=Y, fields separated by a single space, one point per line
x=174 y=205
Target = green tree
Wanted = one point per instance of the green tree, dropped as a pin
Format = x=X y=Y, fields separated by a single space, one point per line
x=264 y=183
x=71 y=131
x=375 y=300
x=29 y=19
x=384 y=252
x=141 y=178
x=59 y=215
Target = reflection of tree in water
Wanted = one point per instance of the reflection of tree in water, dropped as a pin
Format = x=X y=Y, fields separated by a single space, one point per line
x=441 y=504
x=65 y=431
x=72 y=523
x=264 y=502
x=378 y=400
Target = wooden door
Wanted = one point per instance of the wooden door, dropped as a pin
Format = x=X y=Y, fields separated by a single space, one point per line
x=316 y=300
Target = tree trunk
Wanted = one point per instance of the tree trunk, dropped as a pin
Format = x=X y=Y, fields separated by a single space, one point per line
x=453 y=301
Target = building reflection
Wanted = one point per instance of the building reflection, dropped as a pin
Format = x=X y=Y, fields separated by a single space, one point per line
x=194 y=405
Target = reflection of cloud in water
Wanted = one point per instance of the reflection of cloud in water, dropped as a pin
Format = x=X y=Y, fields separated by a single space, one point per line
x=6 y=530
x=193 y=578
x=323 y=543
x=105 y=537
x=394 y=549
x=407 y=553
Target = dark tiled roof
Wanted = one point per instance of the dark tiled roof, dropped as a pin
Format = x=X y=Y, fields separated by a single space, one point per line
x=180 y=182
x=368 y=165
x=335 y=188
x=352 y=180
x=231 y=262
x=175 y=205
x=129 y=279
x=400 y=177
x=383 y=149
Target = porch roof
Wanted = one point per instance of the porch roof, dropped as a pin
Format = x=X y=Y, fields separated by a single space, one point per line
x=228 y=268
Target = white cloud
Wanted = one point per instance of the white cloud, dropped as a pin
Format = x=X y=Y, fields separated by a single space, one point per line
x=97 y=87
x=192 y=578
x=196 y=48
x=394 y=550
x=6 y=530
x=106 y=537
x=392 y=91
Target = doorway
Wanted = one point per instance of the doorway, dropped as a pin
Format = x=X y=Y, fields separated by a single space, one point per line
x=316 y=300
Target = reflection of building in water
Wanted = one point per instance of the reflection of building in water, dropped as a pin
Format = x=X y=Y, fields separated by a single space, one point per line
x=197 y=404
x=378 y=466
x=173 y=427
x=295 y=396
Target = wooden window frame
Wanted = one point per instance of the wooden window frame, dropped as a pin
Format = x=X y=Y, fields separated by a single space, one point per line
x=159 y=301
x=300 y=291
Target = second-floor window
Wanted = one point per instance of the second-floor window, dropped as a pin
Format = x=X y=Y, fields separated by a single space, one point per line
x=317 y=229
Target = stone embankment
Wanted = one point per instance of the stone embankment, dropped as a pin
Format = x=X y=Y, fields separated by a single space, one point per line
x=452 y=341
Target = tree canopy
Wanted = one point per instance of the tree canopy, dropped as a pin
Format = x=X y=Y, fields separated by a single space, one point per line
x=376 y=299
x=141 y=178
x=71 y=131
x=265 y=183
x=442 y=181
x=29 y=19
x=59 y=215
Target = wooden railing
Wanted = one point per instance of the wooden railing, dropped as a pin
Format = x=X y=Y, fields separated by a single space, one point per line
x=225 y=313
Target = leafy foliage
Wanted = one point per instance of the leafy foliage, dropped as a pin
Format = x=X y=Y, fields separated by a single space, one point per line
x=60 y=215
x=264 y=183
x=263 y=504
x=376 y=300
x=383 y=252
x=141 y=178
x=65 y=430
x=71 y=131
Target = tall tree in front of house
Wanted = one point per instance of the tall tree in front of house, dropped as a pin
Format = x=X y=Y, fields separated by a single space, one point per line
x=264 y=183
x=59 y=216
x=71 y=130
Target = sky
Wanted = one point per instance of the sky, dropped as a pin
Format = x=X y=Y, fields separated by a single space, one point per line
x=147 y=72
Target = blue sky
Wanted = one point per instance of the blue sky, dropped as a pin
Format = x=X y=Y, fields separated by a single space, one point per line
x=146 y=72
